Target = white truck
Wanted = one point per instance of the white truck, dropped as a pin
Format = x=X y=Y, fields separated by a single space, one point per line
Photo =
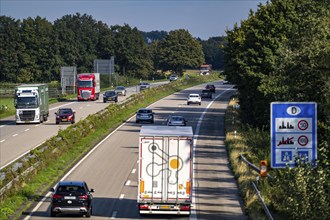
x=31 y=103
x=165 y=170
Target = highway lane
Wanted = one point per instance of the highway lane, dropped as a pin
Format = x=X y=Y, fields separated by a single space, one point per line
x=17 y=140
x=111 y=168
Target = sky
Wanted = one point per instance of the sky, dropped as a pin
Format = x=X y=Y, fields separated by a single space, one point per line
x=202 y=18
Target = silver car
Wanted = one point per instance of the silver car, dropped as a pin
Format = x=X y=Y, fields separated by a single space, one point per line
x=144 y=114
x=121 y=90
x=176 y=120
x=173 y=77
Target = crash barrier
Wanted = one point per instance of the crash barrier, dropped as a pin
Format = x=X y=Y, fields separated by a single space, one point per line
x=25 y=168
x=254 y=185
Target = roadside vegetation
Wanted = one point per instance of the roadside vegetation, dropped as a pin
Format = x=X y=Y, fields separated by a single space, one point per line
x=280 y=54
x=57 y=155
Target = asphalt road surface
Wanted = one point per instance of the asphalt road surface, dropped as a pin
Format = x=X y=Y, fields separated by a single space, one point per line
x=111 y=168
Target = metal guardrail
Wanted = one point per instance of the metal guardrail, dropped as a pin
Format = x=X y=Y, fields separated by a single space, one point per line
x=262 y=202
x=255 y=168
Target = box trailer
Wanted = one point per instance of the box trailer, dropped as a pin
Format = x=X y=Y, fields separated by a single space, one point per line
x=165 y=170
x=31 y=103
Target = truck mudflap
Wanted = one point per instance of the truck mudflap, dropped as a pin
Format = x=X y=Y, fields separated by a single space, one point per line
x=170 y=209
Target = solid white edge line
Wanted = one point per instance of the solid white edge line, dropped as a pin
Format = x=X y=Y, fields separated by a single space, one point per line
x=2 y=140
x=134 y=170
x=128 y=183
x=193 y=214
x=121 y=196
x=14 y=135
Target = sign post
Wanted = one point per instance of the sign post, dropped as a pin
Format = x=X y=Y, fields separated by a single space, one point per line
x=293 y=133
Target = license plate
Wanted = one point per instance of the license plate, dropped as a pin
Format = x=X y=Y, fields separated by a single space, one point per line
x=27 y=121
x=110 y=99
x=69 y=197
x=165 y=207
x=64 y=119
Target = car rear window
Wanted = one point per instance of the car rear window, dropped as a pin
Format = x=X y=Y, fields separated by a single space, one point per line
x=144 y=111
x=71 y=189
x=194 y=96
x=65 y=111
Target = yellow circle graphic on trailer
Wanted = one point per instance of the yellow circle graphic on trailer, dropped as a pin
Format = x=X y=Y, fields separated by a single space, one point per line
x=174 y=164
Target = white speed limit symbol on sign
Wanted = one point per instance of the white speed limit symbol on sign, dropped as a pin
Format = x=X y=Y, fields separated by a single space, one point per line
x=303 y=140
x=302 y=125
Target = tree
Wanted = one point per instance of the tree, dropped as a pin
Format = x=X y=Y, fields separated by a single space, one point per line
x=131 y=52
x=179 y=50
x=213 y=51
x=10 y=44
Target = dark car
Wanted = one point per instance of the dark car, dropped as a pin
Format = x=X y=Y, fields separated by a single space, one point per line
x=210 y=87
x=176 y=120
x=71 y=197
x=144 y=114
x=144 y=85
x=206 y=93
x=65 y=115
x=110 y=95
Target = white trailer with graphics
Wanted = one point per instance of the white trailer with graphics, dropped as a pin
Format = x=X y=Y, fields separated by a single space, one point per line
x=165 y=170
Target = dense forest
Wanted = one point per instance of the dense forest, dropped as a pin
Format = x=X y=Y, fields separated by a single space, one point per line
x=281 y=53
x=34 y=49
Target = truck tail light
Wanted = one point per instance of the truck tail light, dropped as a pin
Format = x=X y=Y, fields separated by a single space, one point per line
x=144 y=207
x=141 y=186
x=188 y=190
x=185 y=208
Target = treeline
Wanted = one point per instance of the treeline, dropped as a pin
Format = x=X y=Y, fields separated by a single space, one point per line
x=282 y=53
x=34 y=49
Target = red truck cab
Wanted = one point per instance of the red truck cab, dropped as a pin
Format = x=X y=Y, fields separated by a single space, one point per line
x=88 y=86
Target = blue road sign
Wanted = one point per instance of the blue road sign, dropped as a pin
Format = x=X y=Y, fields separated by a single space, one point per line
x=293 y=133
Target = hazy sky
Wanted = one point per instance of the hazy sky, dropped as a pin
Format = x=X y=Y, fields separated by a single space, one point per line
x=202 y=19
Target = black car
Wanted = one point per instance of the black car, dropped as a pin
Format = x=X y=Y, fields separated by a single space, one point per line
x=206 y=93
x=71 y=197
x=65 y=115
x=210 y=87
x=144 y=114
x=110 y=95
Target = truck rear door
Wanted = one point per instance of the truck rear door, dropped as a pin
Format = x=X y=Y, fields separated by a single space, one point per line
x=165 y=168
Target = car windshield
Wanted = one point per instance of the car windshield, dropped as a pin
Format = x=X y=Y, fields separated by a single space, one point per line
x=110 y=93
x=144 y=83
x=65 y=111
x=120 y=87
x=144 y=111
x=85 y=83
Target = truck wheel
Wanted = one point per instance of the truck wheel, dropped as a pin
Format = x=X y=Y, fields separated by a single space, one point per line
x=104 y=101
x=200 y=103
x=188 y=103
x=57 y=122
x=52 y=214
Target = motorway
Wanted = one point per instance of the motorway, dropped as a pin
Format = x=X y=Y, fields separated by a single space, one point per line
x=111 y=167
x=18 y=140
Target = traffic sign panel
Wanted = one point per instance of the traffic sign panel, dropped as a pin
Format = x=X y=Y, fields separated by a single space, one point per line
x=293 y=133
